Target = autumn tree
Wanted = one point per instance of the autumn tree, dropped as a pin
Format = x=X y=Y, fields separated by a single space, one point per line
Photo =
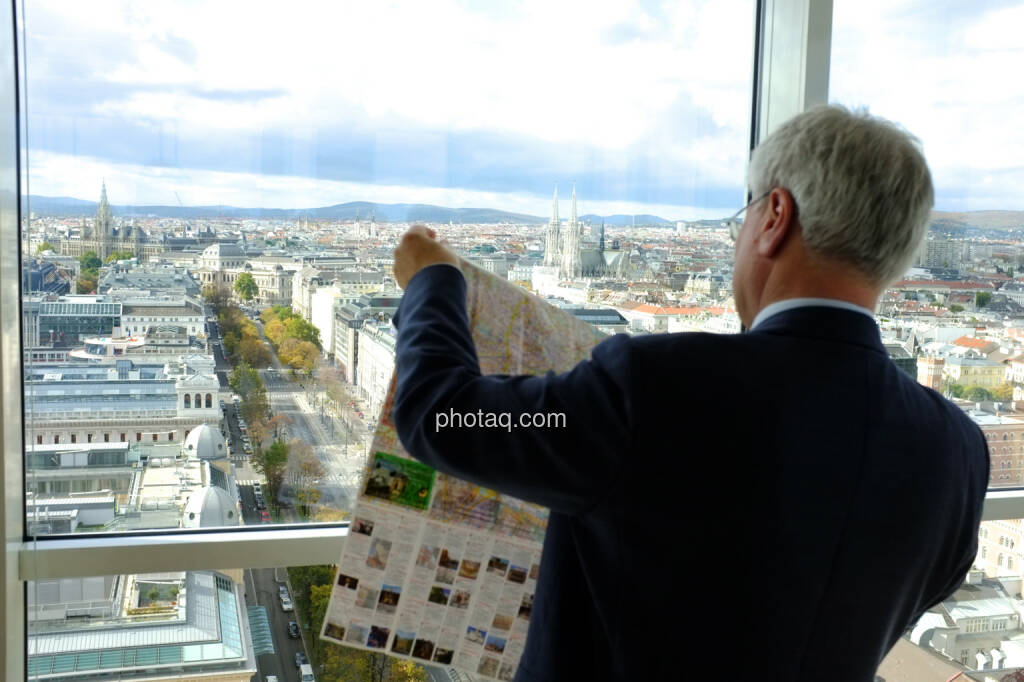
x=216 y=294
x=307 y=470
x=300 y=355
x=89 y=275
x=254 y=352
x=274 y=331
x=1003 y=392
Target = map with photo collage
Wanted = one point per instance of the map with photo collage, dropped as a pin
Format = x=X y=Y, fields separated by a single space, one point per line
x=435 y=568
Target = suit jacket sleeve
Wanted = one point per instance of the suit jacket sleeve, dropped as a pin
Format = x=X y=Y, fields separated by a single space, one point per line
x=568 y=466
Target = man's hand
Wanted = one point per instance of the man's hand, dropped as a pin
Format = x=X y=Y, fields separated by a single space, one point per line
x=417 y=249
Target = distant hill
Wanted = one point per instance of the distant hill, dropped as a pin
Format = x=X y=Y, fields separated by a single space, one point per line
x=619 y=220
x=385 y=213
x=983 y=220
x=67 y=206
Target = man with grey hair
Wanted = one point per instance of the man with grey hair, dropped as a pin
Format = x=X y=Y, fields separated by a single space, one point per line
x=811 y=499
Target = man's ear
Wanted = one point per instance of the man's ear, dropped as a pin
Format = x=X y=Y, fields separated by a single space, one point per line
x=777 y=223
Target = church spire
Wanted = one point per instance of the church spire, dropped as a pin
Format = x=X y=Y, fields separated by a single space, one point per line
x=103 y=223
x=554 y=207
x=572 y=217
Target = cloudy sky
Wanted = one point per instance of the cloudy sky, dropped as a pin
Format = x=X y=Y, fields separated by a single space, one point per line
x=468 y=103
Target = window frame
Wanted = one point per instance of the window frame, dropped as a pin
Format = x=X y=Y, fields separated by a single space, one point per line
x=790 y=69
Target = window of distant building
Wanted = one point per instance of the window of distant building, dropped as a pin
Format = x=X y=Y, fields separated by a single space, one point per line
x=74 y=438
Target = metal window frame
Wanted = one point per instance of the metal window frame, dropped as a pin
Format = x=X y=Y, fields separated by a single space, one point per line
x=791 y=70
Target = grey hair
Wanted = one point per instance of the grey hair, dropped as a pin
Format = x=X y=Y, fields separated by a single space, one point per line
x=862 y=188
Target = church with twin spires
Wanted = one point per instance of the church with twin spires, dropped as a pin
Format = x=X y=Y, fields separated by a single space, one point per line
x=579 y=253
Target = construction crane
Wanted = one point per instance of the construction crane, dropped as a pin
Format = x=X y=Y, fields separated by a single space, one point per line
x=188 y=225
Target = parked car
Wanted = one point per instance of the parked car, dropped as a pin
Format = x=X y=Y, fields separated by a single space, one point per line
x=300 y=659
x=265 y=516
x=293 y=629
x=283 y=591
x=286 y=604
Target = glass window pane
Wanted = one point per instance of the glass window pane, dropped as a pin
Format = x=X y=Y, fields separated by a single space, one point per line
x=935 y=68
x=241 y=206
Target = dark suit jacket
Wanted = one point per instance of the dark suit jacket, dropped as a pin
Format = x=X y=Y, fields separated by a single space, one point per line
x=776 y=505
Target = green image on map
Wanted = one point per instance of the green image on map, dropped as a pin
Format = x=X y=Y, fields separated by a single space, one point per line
x=400 y=480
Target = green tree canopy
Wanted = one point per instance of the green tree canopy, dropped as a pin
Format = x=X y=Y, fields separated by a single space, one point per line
x=245 y=381
x=45 y=246
x=245 y=287
x=271 y=463
x=977 y=393
x=982 y=299
x=120 y=255
x=302 y=330
x=90 y=261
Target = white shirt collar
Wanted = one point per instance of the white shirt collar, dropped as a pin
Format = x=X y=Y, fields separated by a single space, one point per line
x=773 y=309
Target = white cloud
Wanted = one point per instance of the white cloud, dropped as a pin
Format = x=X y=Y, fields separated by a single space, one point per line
x=539 y=69
x=949 y=77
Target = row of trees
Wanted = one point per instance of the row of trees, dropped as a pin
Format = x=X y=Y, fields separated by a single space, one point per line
x=240 y=336
x=1003 y=393
x=295 y=339
x=311 y=587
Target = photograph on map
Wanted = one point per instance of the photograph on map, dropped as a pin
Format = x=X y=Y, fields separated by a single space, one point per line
x=362 y=526
x=447 y=560
x=403 y=642
x=378 y=554
x=388 y=601
x=378 y=638
x=357 y=634
x=399 y=480
x=526 y=606
x=475 y=635
x=347 y=581
x=469 y=569
x=366 y=598
x=534 y=571
x=497 y=565
x=334 y=631
x=517 y=574
x=427 y=556
x=460 y=600
x=502 y=621
x=488 y=666
x=495 y=644
x=423 y=648
x=443 y=656
x=445 y=575
x=507 y=672
x=439 y=595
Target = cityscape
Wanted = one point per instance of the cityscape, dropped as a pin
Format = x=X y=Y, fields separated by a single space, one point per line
x=198 y=372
